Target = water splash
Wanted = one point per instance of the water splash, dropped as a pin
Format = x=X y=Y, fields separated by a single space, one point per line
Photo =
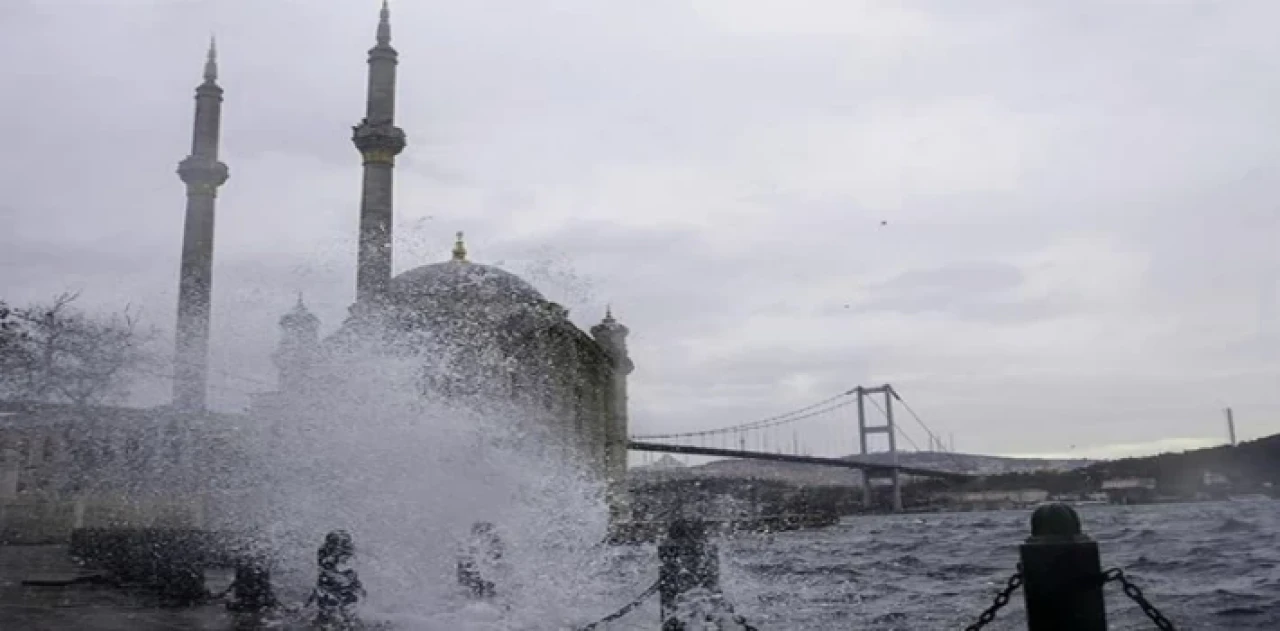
x=407 y=475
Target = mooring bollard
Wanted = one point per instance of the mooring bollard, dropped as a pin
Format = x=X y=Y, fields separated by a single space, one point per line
x=1062 y=574
x=689 y=562
x=337 y=589
x=251 y=589
x=483 y=550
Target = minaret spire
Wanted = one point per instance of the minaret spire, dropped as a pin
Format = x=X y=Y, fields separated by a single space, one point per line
x=384 y=25
x=211 y=62
x=298 y=350
x=203 y=173
x=379 y=142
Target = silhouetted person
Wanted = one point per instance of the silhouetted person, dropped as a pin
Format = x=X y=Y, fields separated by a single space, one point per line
x=483 y=552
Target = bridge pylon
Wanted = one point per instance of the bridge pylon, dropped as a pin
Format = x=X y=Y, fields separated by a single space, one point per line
x=865 y=430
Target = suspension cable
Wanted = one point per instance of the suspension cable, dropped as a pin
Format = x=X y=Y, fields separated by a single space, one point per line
x=772 y=421
x=907 y=406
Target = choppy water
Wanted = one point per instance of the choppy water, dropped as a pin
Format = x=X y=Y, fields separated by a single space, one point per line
x=1207 y=566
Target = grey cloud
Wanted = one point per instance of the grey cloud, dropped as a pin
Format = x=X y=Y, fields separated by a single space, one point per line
x=1151 y=124
x=975 y=291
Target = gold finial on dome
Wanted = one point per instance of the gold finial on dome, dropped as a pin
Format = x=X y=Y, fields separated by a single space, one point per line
x=459 y=249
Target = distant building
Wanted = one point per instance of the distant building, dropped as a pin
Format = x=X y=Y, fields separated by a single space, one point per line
x=481 y=332
x=64 y=467
x=667 y=461
x=992 y=500
x=1129 y=490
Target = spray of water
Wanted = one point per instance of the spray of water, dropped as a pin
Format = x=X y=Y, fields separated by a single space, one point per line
x=407 y=473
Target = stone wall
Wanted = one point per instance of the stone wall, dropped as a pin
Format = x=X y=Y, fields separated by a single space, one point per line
x=46 y=521
x=64 y=467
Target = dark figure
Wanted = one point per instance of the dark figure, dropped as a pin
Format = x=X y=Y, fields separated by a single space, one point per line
x=689 y=562
x=338 y=589
x=483 y=551
x=251 y=589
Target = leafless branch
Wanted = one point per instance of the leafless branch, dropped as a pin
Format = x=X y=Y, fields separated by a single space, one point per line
x=67 y=355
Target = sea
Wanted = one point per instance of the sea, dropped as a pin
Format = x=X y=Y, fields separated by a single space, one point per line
x=1205 y=566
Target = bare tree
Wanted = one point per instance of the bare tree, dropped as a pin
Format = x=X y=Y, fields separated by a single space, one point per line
x=10 y=333
x=55 y=352
x=13 y=350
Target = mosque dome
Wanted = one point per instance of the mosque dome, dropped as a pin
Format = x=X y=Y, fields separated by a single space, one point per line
x=461 y=285
x=299 y=318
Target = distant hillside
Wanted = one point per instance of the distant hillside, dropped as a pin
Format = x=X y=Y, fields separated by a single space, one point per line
x=810 y=475
x=1252 y=466
x=1248 y=464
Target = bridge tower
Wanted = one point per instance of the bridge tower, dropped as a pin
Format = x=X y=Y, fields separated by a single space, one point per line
x=865 y=430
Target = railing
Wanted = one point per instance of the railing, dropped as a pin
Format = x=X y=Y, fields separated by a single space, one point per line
x=1062 y=579
x=1060 y=574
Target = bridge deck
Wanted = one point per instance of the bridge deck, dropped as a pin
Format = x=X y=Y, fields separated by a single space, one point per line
x=846 y=463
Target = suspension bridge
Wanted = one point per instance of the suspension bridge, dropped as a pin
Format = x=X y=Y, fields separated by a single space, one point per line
x=831 y=422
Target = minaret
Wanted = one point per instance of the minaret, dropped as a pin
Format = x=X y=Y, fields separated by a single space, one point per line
x=203 y=174
x=299 y=348
x=459 y=249
x=612 y=336
x=379 y=142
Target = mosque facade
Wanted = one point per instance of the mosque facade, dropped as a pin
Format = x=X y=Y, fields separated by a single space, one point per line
x=483 y=332
x=481 y=335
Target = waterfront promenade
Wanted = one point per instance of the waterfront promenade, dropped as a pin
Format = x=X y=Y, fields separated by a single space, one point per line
x=1205 y=565
x=86 y=607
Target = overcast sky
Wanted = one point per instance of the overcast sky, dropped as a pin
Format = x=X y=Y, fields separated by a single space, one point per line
x=1082 y=247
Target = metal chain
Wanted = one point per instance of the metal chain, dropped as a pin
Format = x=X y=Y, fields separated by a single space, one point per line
x=626 y=609
x=1002 y=599
x=1132 y=591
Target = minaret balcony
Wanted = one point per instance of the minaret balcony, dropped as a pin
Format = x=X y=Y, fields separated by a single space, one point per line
x=209 y=89
x=378 y=136
x=202 y=171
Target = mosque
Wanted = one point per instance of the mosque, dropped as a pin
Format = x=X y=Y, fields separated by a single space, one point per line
x=480 y=331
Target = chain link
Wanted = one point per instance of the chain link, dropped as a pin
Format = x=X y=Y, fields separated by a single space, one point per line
x=1002 y=599
x=1132 y=591
x=626 y=609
